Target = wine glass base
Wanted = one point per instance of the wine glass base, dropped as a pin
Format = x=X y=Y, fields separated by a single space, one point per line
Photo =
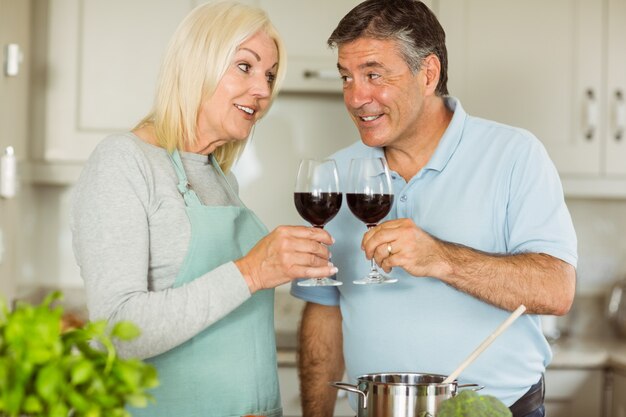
x=319 y=282
x=379 y=279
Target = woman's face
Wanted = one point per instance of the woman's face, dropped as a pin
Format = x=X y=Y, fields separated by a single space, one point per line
x=242 y=95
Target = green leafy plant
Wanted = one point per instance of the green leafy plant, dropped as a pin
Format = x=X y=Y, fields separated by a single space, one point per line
x=469 y=404
x=47 y=372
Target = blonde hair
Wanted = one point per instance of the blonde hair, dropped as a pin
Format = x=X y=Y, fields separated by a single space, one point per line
x=196 y=59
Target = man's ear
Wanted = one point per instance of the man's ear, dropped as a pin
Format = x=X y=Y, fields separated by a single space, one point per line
x=431 y=68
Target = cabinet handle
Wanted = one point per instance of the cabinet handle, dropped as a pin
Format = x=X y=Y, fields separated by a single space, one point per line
x=8 y=173
x=619 y=115
x=591 y=121
x=324 y=75
x=13 y=59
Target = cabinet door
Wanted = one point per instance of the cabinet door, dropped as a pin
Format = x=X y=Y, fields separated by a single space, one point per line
x=619 y=395
x=615 y=116
x=574 y=392
x=305 y=27
x=14 y=29
x=532 y=64
x=100 y=59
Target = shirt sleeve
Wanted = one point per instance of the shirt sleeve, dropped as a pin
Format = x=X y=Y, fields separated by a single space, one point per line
x=111 y=241
x=328 y=296
x=537 y=217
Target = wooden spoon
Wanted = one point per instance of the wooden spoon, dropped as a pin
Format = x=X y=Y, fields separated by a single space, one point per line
x=518 y=312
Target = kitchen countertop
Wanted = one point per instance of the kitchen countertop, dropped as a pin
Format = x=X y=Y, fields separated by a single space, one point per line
x=569 y=353
x=589 y=353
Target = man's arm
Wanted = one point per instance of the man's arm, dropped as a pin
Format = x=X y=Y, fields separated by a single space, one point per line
x=320 y=358
x=543 y=283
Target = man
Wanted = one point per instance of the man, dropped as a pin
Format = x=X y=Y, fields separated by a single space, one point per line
x=479 y=226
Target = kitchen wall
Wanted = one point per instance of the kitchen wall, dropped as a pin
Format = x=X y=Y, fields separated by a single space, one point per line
x=601 y=229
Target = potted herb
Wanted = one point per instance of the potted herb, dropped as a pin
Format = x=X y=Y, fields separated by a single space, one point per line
x=45 y=371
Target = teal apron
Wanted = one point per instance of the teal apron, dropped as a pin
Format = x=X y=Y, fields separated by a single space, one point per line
x=229 y=369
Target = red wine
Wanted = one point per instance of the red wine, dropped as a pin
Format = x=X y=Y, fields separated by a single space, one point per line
x=369 y=208
x=317 y=209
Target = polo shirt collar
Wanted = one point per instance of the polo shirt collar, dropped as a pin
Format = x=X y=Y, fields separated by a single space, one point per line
x=451 y=137
x=449 y=141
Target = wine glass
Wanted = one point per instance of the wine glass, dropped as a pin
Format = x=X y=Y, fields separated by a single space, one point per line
x=370 y=198
x=318 y=200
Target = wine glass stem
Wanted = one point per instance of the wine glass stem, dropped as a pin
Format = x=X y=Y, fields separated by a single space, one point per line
x=373 y=268
x=319 y=280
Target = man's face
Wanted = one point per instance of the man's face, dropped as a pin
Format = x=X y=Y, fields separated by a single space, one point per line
x=382 y=95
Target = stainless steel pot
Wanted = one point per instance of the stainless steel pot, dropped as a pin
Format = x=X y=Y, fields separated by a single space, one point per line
x=401 y=394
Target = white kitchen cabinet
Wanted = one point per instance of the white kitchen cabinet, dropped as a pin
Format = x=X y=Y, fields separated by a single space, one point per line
x=290 y=394
x=305 y=26
x=96 y=67
x=14 y=91
x=618 y=394
x=574 y=392
x=556 y=68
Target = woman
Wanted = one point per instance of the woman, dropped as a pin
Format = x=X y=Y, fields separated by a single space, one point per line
x=162 y=239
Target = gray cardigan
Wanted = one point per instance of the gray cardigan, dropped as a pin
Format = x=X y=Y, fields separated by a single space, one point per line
x=130 y=236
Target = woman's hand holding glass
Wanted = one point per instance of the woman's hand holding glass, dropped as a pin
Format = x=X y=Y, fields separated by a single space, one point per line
x=317 y=199
x=288 y=252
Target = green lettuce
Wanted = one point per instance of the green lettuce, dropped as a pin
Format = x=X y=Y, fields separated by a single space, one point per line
x=469 y=404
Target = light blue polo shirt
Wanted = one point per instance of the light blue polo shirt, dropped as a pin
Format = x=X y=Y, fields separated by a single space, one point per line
x=488 y=186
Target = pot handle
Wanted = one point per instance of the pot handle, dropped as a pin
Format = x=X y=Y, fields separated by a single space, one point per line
x=475 y=387
x=351 y=388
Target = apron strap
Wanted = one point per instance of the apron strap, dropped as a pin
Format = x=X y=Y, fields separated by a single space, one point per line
x=232 y=192
x=189 y=195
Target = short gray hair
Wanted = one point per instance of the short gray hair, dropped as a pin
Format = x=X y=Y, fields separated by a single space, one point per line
x=410 y=23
